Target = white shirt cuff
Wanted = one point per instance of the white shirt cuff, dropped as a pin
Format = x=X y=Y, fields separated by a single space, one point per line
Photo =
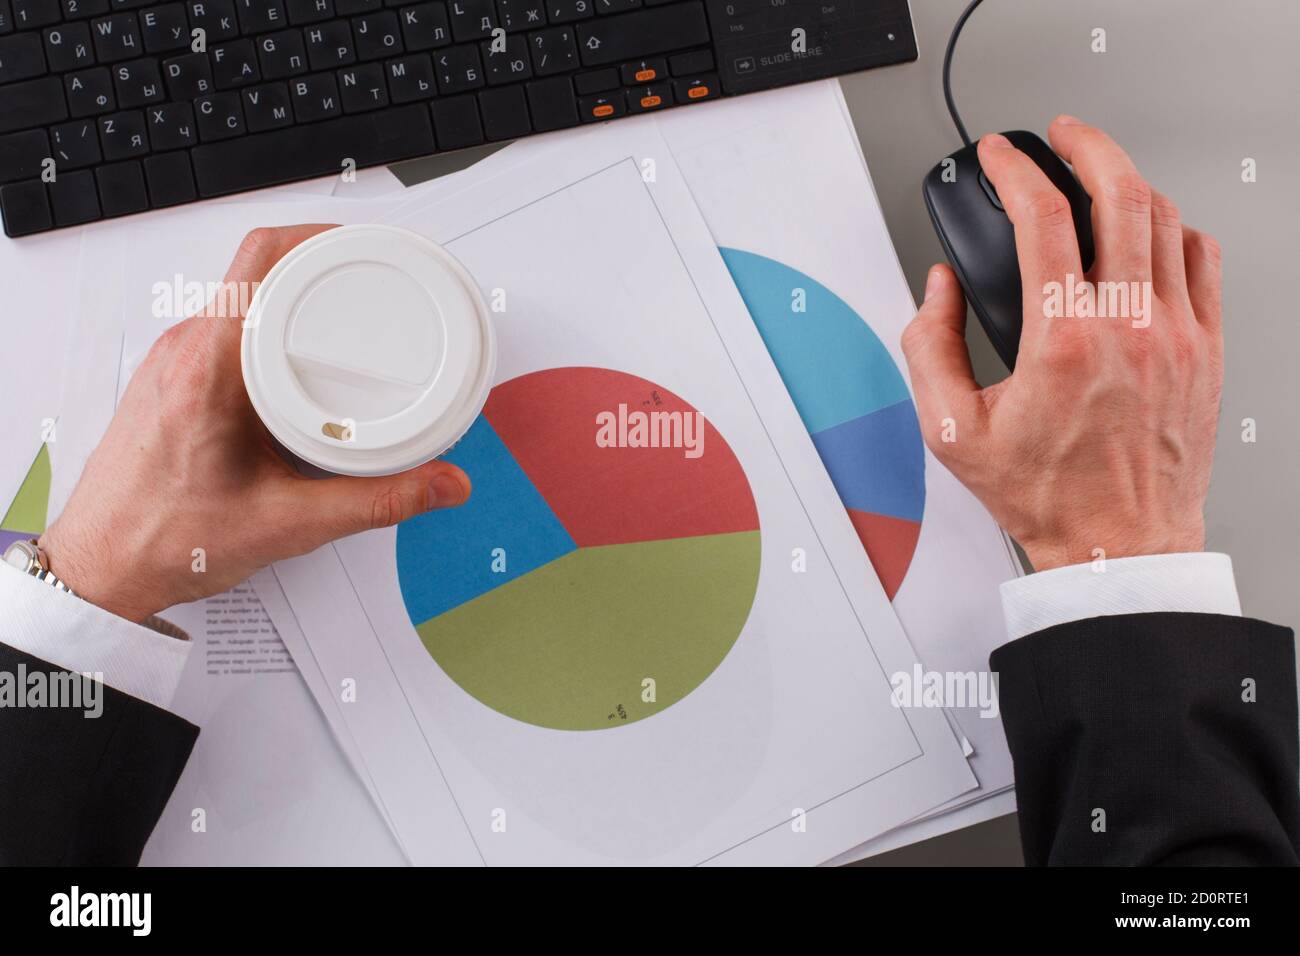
x=77 y=636
x=1200 y=583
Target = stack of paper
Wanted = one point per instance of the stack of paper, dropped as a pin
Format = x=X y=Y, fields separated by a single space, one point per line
x=605 y=657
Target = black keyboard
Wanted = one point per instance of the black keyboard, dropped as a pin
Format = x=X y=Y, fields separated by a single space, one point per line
x=112 y=107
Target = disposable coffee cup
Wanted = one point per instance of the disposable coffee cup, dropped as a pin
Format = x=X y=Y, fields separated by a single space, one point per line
x=368 y=350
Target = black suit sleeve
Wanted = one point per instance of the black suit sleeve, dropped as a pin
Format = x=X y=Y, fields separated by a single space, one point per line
x=1148 y=719
x=84 y=790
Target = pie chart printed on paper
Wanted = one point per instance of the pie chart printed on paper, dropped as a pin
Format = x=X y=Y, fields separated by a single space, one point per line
x=576 y=573
x=26 y=515
x=853 y=400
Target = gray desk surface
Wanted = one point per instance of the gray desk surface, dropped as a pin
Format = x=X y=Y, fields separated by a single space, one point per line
x=1190 y=88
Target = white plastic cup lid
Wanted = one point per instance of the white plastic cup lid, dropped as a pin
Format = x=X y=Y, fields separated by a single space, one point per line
x=368 y=350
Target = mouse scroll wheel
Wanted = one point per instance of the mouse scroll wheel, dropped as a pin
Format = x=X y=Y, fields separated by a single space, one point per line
x=990 y=191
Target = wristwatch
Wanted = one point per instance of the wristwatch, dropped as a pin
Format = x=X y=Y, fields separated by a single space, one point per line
x=28 y=558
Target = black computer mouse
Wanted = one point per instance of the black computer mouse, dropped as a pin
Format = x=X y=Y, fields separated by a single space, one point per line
x=980 y=242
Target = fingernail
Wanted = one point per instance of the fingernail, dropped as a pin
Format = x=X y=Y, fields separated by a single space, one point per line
x=445 y=491
x=1065 y=119
x=996 y=141
x=933 y=281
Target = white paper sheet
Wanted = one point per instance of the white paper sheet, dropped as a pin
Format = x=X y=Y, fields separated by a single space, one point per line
x=825 y=221
x=781 y=174
x=266 y=783
x=786 y=728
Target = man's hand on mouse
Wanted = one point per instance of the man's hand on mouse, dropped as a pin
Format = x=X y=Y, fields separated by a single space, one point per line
x=187 y=464
x=1100 y=443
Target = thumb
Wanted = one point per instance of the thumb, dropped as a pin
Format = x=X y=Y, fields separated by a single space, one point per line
x=934 y=344
x=342 y=506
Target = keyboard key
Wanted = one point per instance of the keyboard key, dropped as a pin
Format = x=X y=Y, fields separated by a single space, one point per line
x=117 y=37
x=472 y=19
x=505 y=113
x=68 y=47
x=77 y=9
x=329 y=45
x=218 y=116
x=521 y=14
x=458 y=69
x=121 y=189
x=309 y=11
x=73 y=199
x=171 y=126
x=216 y=18
x=137 y=83
x=188 y=76
x=90 y=92
x=643 y=99
x=552 y=104
x=597 y=81
x=690 y=64
x=509 y=64
x=643 y=71
x=631 y=36
x=553 y=51
x=234 y=64
x=318 y=149
x=25 y=208
x=378 y=35
x=260 y=16
x=169 y=179
x=267 y=107
x=410 y=78
x=566 y=11
x=283 y=54
x=29 y=14
x=32 y=103
x=21 y=155
x=696 y=89
x=456 y=123
x=605 y=106
x=616 y=6
x=425 y=26
x=75 y=145
x=165 y=29
x=21 y=57
x=315 y=98
x=123 y=135
x=362 y=88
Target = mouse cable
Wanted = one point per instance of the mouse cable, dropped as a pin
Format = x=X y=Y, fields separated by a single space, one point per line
x=947 y=69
